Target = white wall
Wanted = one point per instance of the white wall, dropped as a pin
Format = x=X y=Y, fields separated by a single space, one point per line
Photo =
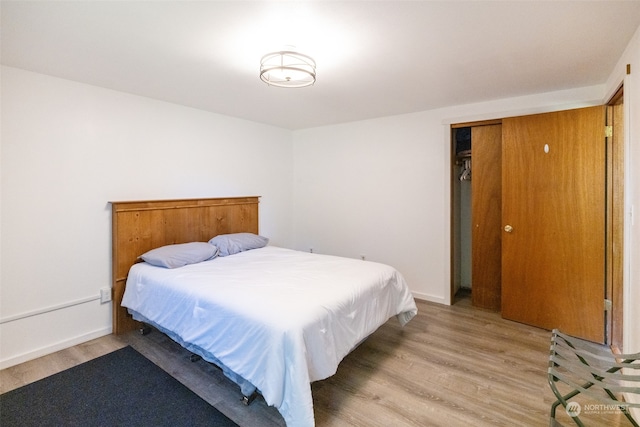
x=382 y=187
x=631 y=321
x=67 y=149
x=375 y=188
x=632 y=189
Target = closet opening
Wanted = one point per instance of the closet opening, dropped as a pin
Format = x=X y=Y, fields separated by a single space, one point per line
x=475 y=194
x=461 y=138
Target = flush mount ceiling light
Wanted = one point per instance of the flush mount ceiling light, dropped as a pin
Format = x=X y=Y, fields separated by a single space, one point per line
x=287 y=69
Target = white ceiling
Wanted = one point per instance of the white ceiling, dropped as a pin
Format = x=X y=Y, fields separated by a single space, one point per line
x=375 y=58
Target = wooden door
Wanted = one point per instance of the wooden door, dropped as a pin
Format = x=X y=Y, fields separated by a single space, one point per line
x=553 y=214
x=486 y=219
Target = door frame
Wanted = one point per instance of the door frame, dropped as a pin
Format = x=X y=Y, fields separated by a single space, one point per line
x=615 y=220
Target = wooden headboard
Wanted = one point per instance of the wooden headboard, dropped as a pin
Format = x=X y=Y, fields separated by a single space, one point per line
x=144 y=225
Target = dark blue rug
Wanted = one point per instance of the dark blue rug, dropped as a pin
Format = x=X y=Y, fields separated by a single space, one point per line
x=122 y=388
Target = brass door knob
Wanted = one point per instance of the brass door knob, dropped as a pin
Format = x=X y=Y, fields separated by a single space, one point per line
x=508 y=228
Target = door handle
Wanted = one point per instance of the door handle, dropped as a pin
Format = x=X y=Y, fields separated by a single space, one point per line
x=508 y=228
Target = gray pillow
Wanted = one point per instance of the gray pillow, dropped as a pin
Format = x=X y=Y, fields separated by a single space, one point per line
x=230 y=244
x=181 y=254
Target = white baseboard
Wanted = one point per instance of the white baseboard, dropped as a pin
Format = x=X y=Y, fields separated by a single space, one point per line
x=431 y=298
x=43 y=351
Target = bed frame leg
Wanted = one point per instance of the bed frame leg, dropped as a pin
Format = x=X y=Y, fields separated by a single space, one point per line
x=145 y=330
x=248 y=399
x=195 y=358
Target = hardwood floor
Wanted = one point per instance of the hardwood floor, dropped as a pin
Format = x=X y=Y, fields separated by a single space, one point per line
x=450 y=366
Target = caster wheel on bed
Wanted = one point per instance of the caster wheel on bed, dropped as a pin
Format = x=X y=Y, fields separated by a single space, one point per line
x=248 y=399
x=195 y=358
x=145 y=330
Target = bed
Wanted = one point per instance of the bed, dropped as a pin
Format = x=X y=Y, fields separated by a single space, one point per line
x=273 y=319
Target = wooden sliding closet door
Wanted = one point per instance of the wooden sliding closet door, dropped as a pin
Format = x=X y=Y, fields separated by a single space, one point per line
x=553 y=219
x=486 y=183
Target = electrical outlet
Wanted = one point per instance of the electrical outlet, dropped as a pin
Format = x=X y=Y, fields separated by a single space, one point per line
x=105 y=295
